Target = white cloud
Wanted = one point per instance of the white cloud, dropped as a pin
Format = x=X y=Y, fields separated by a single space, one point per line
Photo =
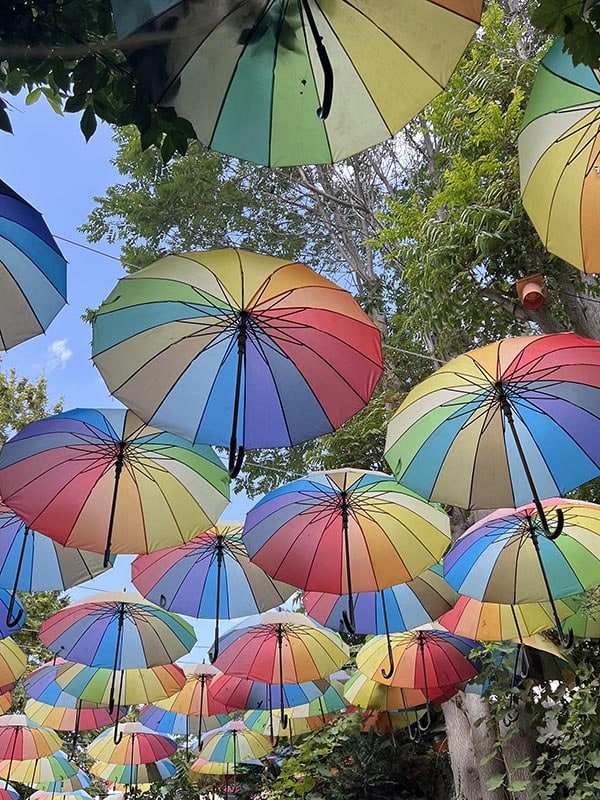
x=59 y=354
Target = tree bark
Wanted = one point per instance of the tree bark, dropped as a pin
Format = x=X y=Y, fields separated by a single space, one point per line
x=518 y=745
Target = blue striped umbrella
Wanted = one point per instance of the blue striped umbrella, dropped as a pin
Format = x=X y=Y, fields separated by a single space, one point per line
x=33 y=271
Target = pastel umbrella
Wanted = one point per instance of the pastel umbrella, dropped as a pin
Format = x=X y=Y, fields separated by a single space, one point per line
x=33 y=771
x=404 y=606
x=236 y=349
x=423 y=659
x=101 y=480
x=173 y=723
x=281 y=647
x=137 y=745
x=33 y=271
x=194 y=699
x=558 y=156
x=345 y=530
x=237 y=693
x=135 y=774
x=210 y=576
x=21 y=740
x=5 y=702
x=307 y=83
x=78 y=781
x=72 y=715
x=503 y=425
x=13 y=663
x=32 y=562
x=364 y=692
x=8 y=791
x=233 y=744
x=499 y=621
x=508 y=558
x=584 y=619
x=205 y=767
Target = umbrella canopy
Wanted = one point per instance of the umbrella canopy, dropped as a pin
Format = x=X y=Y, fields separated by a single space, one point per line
x=345 y=530
x=13 y=663
x=237 y=693
x=502 y=425
x=558 y=155
x=364 y=692
x=33 y=271
x=498 y=621
x=103 y=481
x=210 y=576
x=425 y=659
x=21 y=741
x=31 y=772
x=136 y=686
x=172 y=723
x=132 y=775
x=236 y=349
x=9 y=792
x=583 y=620
x=79 y=781
x=121 y=630
x=32 y=562
x=234 y=743
x=296 y=82
x=281 y=647
x=5 y=702
x=74 y=715
x=137 y=745
x=507 y=558
x=406 y=605
x=204 y=767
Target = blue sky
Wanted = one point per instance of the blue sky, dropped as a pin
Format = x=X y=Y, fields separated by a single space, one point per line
x=48 y=162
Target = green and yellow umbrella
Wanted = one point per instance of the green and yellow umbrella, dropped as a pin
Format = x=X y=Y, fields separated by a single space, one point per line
x=295 y=81
x=559 y=151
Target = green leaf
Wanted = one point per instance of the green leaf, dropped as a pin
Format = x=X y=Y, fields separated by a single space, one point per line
x=517 y=786
x=88 y=123
x=33 y=97
x=75 y=103
x=495 y=781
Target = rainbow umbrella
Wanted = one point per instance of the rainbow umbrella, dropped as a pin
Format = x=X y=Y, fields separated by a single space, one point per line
x=424 y=659
x=78 y=781
x=237 y=693
x=233 y=348
x=136 y=745
x=172 y=723
x=583 y=621
x=508 y=423
x=13 y=663
x=32 y=562
x=298 y=82
x=33 y=771
x=558 y=158
x=281 y=647
x=345 y=530
x=8 y=792
x=205 y=767
x=364 y=692
x=508 y=558
x=22 y=740
x=234 y=744
x=72 y=715
x=404 y=606
x=5 y=702
x=101 y=480
x=210 y=576
x=498 y=622
x=133 y=775
x=33 y=271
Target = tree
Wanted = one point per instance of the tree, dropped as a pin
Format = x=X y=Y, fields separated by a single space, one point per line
x=22 y=401
x=67 y=52
x=577 y=23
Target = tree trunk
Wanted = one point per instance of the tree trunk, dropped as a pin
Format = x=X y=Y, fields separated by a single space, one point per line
x=519 y=745
x=485 y=743
x=468 y=775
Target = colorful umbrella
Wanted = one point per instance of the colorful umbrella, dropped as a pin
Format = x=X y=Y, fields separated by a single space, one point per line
x=210 y=576
x=205 y=767
x=172 y=723
x=424 y=659
x=298 y=82
x=406 y=605
x=498 y=621
x=345 y=530
x=237 y=693
x=102 y=481
x=32 y=562
x=364 y=692
x=5 y=702
x=136 y=745
x=8 y=792
x=13 y=663
x=33 y=271
x=234 y=744
x=584 y=620
x=229 y=347
x=133 y=775
x=75 y=794
x=502 y=425
x=72 y=715
x=21 y=740
x=558 y=158
x=78 y=781
x=32 y=772
x=281 y=647
x=507 y=558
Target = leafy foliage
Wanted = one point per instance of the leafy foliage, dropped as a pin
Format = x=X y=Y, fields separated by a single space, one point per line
x=22 y=401
x=577 y=23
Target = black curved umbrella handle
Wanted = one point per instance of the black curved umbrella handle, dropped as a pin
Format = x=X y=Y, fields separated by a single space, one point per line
x=349 y=621
x=560 y=524
x=12 y=623
x=117 y=737
x=427 y=718
x=236 y=459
